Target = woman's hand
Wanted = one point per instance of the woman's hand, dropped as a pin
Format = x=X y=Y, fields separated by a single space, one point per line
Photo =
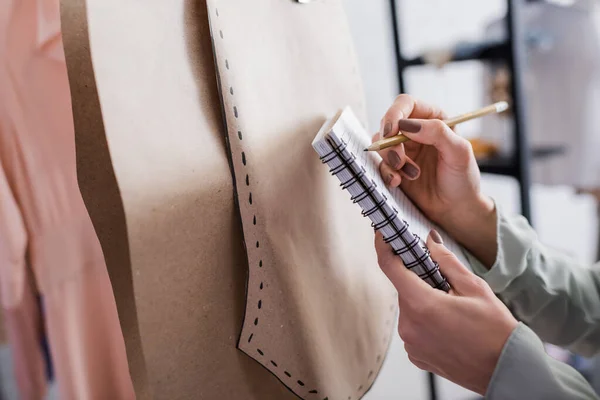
x=438 y=172
x=459 y=335
x=438 y=166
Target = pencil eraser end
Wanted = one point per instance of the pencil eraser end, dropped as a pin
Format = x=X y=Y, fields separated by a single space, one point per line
x=501 y=106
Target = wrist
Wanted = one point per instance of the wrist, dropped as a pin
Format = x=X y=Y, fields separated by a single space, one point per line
x=465 y=217
x=474 y=226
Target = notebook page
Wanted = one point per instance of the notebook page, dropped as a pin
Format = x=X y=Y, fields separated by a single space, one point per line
x=351 y=131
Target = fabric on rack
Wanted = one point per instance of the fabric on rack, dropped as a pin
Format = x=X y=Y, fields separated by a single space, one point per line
x=51 y=244
x=562 y=89
x=22 y=319
x=2 y=330
x=563 y=95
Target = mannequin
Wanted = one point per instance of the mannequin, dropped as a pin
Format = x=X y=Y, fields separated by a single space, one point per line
x=195 y=275
x=562 y=86
x=572 y=64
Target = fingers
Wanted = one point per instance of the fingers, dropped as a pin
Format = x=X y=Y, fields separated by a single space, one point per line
x=406 y=282
x=376 y=137
x=397 y=159
x=406 y=106
x=454 y=149
x=462 y=281
x=410 y=170
x=396 y=165
x=390 y=177
x=450 y=266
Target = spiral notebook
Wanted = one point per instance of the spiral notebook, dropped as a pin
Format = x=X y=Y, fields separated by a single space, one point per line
x=340 y=144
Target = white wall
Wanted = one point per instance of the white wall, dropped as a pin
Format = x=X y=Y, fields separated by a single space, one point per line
x=371 y=27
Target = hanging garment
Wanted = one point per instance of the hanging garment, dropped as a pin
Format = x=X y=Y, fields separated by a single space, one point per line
x=47 y=242
x=563 y=94
x=562 y=89
x=203 y=266
x=2 y=329
x=22 y=318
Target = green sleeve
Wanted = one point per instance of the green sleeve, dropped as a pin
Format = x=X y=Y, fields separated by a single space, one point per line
x=525 y=371
x=557 y=297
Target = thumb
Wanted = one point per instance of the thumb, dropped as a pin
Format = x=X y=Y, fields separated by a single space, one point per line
x=458 y=276
x=407 y=283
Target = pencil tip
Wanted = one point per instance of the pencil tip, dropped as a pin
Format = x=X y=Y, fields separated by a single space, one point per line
x=366 y=150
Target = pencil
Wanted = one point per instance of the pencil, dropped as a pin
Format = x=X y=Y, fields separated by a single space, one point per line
x=452 y=122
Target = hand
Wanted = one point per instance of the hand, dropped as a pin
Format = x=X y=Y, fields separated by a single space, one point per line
x=437 y=170
x=458 y=335
x=440 y=171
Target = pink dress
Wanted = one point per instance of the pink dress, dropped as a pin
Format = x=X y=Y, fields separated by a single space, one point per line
x=48 y=245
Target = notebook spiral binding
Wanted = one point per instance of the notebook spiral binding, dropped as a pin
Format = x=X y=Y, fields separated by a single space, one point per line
x=384 y=218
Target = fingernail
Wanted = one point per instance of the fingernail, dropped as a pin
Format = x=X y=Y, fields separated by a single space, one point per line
x=387 y=129
x=435 y=236
x=388 y=179
x=409 y=125
x=411 y=171
x=394 y=159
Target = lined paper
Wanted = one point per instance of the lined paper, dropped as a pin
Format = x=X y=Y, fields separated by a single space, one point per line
x=395 y=210
x=358 y=139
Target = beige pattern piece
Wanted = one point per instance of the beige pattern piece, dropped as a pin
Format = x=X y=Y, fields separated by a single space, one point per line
x=154 y=170
x=314 y=291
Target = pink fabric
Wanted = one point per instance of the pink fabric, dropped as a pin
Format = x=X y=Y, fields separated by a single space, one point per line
x=44 y=225
x=21 y=314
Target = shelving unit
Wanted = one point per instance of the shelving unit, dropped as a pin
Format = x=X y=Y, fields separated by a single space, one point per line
x=512 y=53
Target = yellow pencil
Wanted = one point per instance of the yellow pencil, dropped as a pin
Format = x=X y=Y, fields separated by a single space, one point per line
x=400 y=138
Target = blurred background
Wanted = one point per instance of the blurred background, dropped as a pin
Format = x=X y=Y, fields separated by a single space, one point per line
x=542 y=56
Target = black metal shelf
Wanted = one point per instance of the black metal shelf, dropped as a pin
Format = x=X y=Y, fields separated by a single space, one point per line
x=508 y=166
x=543 y=152
x=477 y=52
x=511 y=52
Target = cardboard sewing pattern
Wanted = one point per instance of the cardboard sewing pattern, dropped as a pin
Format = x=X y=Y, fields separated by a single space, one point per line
x=154 y=176
x=154 y=172
x=319 y=313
